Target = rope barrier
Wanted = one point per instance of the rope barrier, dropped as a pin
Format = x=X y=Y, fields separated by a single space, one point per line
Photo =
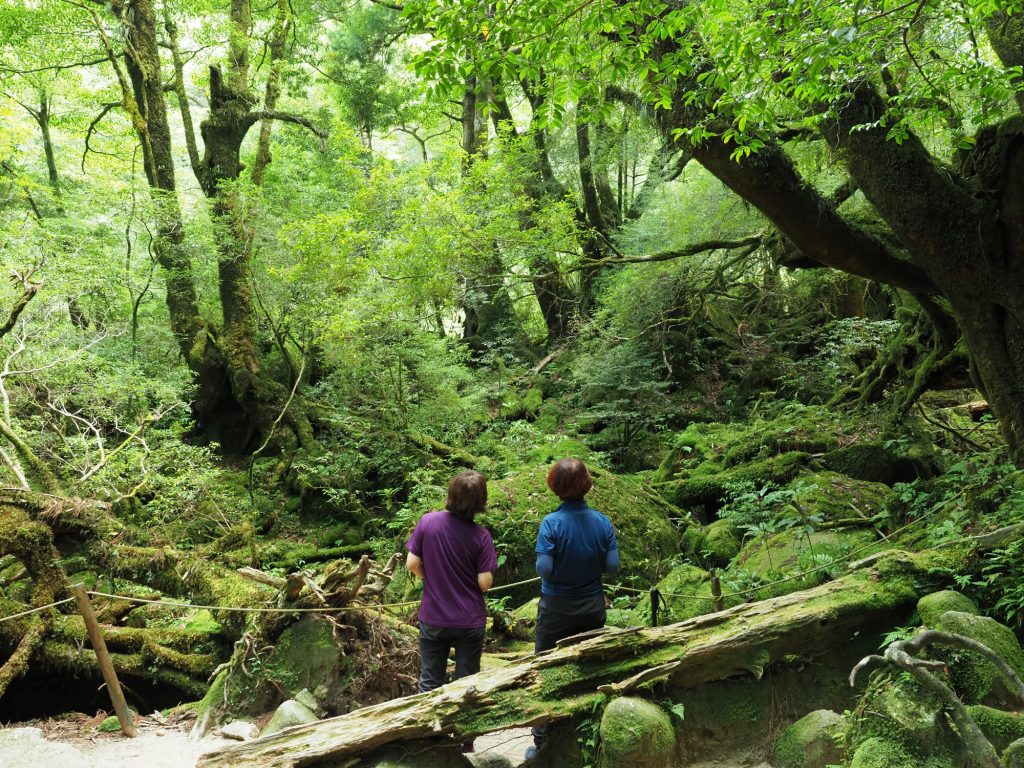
x=381 y=606
x=37 y=610
x=751 y=590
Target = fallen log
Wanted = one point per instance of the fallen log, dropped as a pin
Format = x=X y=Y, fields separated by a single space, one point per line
x=569 y=680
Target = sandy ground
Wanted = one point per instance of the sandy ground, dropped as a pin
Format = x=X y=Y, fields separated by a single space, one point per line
x=167 y=744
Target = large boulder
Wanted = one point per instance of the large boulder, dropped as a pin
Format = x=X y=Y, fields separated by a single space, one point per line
x=931 y=607
x=636 y=734
x=517 y=504
x=975 y=678
x=1001 y=728
x=811 y=742
x=790 y=553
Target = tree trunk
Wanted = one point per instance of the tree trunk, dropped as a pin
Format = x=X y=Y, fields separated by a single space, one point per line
x=570 y=680
x=43 y=119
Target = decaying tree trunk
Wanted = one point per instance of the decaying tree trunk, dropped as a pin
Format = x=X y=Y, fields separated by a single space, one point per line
x=568 y=680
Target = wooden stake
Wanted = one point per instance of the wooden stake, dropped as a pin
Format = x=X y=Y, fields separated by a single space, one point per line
x=106 y=666
x=716 y=592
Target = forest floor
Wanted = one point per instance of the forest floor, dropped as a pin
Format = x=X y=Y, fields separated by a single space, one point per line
x=169 y=745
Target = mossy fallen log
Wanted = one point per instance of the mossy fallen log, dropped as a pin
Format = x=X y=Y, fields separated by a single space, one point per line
x=568 y=681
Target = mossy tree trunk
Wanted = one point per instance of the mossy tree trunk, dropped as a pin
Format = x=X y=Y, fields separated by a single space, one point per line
x=237 y=400
x=568 y=681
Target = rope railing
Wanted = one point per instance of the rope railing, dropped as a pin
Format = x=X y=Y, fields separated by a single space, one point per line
x=380 y=606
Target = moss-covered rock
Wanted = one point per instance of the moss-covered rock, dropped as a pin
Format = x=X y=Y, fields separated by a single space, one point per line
x=686 y=591
x=518 y=503
x=975 y=678
x=931 y=607
x=880 y=463
x=791 y=552
x=1013 y=756
x=882 y=753
x=1001 y=728
x=288 y=714
x=832 y=496
x=636 y=734
x=709 y=482
x=901 y=711
x=811 y=742
x=722 y=542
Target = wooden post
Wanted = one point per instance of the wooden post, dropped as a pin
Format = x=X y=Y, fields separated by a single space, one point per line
x=716 y=592
x=655 y=598
x=106 y=666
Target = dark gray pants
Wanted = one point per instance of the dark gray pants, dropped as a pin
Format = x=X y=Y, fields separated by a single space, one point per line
x=437 y=642
x=559 y=618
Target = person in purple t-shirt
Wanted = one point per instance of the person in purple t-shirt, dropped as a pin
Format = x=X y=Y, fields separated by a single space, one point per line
x=455 y=557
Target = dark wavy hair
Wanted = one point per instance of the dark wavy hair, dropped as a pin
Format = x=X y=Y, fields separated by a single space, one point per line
x=467 y=495
x=569 y=479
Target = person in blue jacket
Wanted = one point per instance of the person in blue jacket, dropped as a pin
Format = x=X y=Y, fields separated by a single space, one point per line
x=575 y=547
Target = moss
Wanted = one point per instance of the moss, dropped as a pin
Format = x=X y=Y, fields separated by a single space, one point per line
x=636 y=733
x=1013 y=757
x=305 y=656
x=722 y=542
x=789 y=552
x=110 y=725
x=810 y=741
x=516 y=505
x=1001 y=728
x=708 y=483
x=974 y=678
x=877 y=462
x=881 y=753
x=931 y=607
x=834 y=496
x=679 y=589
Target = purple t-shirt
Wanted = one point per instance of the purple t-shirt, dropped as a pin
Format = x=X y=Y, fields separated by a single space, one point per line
x=453 y=552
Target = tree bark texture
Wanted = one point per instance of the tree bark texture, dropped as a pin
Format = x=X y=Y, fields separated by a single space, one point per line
x=568 y=681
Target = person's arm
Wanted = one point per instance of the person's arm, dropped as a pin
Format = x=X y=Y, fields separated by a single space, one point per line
x=611 y=557
x=611 y=561
x=485 y=580
x=415 y=565
x=545 y=566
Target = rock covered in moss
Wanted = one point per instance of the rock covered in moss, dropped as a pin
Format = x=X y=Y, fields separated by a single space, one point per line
x=882 y=753
x=877 y=462
x=810 y=742
x=636 y=734
x=518 y=503
x=1013 y=756
x=710 y=483
x=722 y=542
x=931 y=607
x=1001 y=728
x=975 y=678
x=792 y=551
x=833 y=496
x=904 y=712
x=290 y=713
x=686 y=591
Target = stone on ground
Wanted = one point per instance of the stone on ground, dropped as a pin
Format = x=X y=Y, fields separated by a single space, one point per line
x=636 y=734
